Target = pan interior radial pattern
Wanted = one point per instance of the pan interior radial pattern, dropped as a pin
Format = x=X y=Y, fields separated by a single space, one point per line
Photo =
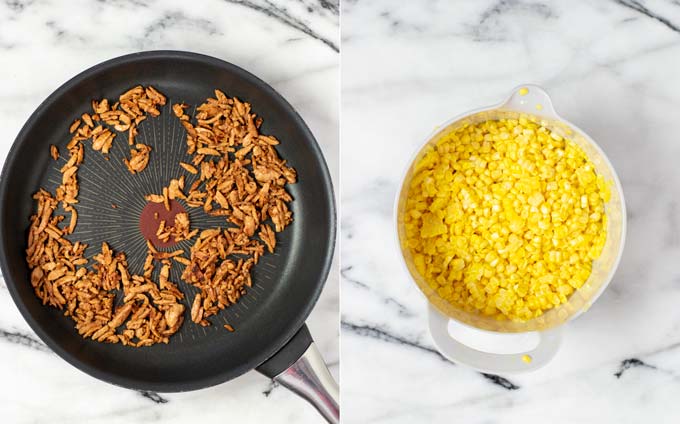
x=111 y=202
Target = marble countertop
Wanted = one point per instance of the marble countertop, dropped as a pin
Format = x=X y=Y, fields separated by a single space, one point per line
x=293 y=45
x=612 y=69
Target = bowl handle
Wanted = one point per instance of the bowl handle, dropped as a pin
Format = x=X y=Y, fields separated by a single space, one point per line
x=460 y=353
x=531 y=99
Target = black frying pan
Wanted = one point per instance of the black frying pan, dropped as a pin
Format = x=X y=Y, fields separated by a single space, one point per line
x=269 y=320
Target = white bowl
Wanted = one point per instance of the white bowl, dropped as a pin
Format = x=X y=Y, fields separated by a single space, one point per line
x=537 y=103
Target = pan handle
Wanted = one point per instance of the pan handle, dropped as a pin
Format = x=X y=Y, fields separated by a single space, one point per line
x=299 y=367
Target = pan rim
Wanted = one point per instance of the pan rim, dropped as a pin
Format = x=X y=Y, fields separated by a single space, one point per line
x=273 y=346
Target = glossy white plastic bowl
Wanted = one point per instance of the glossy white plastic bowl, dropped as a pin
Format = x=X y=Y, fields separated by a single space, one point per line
x=526 y=99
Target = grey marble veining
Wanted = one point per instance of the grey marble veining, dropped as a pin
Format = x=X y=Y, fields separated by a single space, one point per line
x=611 y=68
x=293 y=45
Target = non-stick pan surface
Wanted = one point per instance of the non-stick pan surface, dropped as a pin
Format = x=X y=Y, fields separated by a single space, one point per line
x=286 y=283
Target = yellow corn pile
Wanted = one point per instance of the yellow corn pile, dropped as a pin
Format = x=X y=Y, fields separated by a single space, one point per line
x=505 y=217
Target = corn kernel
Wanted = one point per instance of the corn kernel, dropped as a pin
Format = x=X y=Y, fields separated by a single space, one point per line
x=495 y=211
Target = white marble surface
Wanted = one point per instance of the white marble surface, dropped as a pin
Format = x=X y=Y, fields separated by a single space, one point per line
x=293 y=45
x=612 y=68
